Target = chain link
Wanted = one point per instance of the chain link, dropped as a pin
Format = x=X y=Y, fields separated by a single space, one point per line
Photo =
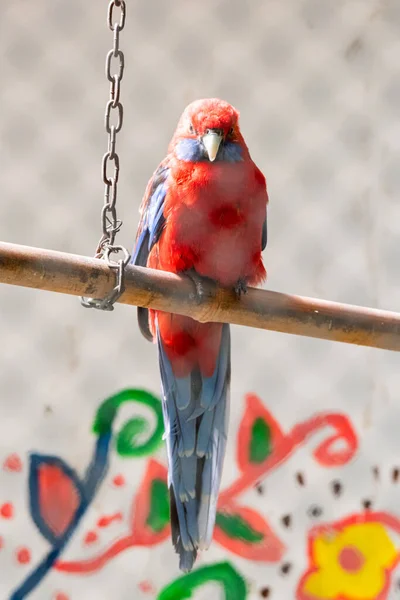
x=113 y=121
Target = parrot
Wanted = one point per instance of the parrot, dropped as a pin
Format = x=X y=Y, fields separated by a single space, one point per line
x=203 y=215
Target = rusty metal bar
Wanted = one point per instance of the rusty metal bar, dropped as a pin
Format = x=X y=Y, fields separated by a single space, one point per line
x=82 y=276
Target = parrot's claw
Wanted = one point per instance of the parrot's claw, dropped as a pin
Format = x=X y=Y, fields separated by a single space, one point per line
x=198 y=281
x=240 y=287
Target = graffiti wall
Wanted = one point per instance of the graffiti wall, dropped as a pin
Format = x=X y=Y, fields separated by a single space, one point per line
x=310 y=499
x=307 y=540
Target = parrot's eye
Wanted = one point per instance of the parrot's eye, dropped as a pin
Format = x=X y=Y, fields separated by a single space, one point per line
x=231 y=131
x=191 y=128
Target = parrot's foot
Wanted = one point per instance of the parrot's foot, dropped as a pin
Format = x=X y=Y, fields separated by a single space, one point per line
x=198 y=281
x=240 y=287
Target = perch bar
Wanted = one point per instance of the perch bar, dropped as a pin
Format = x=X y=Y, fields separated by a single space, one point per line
x=81 y=276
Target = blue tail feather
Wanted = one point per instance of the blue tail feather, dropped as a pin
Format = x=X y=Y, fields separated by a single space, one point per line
x=188 y=477
x=204 y=433
x=195 y=412
x=213 y=386
x=183 y=386
x=174 y=388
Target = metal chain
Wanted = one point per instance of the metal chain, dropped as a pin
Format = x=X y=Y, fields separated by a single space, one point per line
x=114 y=112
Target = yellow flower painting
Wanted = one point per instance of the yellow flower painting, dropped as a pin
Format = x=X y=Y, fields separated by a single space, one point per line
x=350 y=560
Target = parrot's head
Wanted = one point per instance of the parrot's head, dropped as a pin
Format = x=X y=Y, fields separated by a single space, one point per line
x=208 y=130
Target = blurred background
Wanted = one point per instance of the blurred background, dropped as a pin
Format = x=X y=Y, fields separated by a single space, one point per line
x=317 y=84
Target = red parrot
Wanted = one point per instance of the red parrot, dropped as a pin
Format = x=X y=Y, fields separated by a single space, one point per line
x=204 y=214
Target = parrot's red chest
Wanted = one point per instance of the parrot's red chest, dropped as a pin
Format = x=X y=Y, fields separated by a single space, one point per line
x=214 y=216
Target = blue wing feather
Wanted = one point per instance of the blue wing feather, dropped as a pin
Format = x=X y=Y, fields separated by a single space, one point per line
x=151 y=225
x=152 y=218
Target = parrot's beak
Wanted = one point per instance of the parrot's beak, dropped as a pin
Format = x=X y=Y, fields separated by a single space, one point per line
x=212 y=140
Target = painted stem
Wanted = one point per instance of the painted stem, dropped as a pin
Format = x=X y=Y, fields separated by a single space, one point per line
x=34 y=579
x=94 y=476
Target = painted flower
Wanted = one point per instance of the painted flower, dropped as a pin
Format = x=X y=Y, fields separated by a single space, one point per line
x=350 y=561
